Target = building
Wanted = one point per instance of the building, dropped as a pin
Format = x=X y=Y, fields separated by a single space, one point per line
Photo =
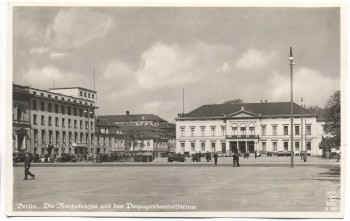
x=58 y=122
x=134 y=119
x=21 y=126
x=248 y=127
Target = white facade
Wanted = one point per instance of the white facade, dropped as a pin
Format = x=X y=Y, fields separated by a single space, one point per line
x=244 y=131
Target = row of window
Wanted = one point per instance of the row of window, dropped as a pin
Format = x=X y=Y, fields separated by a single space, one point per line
x=62 y=98
x=286 y=146
x=63 y=109
x=63 y=122
x=203 y=147
x=87 y=94
x=243 y=130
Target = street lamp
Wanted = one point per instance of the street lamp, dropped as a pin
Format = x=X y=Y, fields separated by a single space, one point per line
x=88 y=111
x=291 y=63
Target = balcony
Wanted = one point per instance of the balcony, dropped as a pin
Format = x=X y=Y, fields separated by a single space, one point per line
x=243 y=137
x=20 y=123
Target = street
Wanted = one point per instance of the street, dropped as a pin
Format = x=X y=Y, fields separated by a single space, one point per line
x=202 y=188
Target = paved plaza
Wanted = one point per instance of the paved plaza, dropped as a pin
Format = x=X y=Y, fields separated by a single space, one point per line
x=263 y=184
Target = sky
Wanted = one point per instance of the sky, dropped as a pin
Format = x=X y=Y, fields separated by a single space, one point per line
x=144 y=56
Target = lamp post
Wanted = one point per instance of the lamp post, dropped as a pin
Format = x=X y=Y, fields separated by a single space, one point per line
x=291 y=63
x=88 y=112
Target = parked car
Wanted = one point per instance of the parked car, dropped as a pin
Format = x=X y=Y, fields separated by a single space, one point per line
x=18 y=157
x=284 y=153
x=302 y=153
x=176 y=157
x=271 y=153
x=66 y=157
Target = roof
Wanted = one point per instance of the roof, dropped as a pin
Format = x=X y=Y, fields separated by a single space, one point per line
x=63 y=88
x=275 y=108
x=132 y=118
x=104 y=122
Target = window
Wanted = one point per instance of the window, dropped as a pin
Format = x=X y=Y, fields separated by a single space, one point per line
x=192 y=131
x=297 y=145
x=223 y=147
x=212 y=131
x=34 y=92
x=57 y=137
x=243 y=132
x=274 y=146
x=36 y=136
x=63 y=110
x=285 y=130
x=75 y=123
x=35 y=107
x=49 y=107
x=234 y=131
x=308 y=145
x=86 y=125
x=148 y=144
x=42 y=120
x=297 y=132
x=213 y=147
x=35 y=119
x=80 y=112
x=251 y=131
x=49 y=95
x=43 y=137
x=81 y=93
x=56 y=108
x=50 y=121
x=285 y=145
x=193 y=147
x=75 y=111
x=50 y=136
x=63 y=122
x=75 y=137
x=203 y=146
x=81 y=137
x=69 y=123
x=92 y=138
x=263 y=131
x=93 y=96
x=69 y=110
x=63 y=137
x=84 y=94
x=182 y=147
x=274 y=130
x=202 y=131
x=81 y=124
x=264 y=146
x=42 y=106
x=223 y=131
x=70 y=137
x=182 y=131
x=56 y=122
x=89 y=95
x=308 y=129
x=92 y=124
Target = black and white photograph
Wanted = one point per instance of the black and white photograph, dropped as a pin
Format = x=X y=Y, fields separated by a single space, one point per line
x=176 y=111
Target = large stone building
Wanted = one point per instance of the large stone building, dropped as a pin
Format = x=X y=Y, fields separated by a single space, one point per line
x=56 y=120
x=134 y=119
x=248 y=127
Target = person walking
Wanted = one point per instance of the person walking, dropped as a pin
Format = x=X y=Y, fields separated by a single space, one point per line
x=236 y=160
x=27 y=167
x=256 y=154
x=216 y=158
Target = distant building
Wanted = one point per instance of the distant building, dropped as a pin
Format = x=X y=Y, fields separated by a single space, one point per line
x=248 y=127
x=55 y=122
x=134 y=119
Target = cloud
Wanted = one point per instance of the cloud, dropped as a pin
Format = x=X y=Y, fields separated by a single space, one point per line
x=224 y=67
x=43 y=77
x=57 y=55
x=310 y=84
x=74 y=27
x=162 y=108
x=39 y=51
x=165 y=65
x=254 y=60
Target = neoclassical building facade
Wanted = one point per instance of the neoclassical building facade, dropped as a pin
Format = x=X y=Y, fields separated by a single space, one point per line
x=248 y=127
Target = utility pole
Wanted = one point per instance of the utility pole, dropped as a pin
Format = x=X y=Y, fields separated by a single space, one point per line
x=183 y=100
x=301 y=125
x=291 y=63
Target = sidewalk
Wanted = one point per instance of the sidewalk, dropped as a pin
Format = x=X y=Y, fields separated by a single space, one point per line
x=222 y=162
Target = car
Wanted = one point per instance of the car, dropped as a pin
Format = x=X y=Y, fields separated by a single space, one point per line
x=66 y=157
x=271 y=153
x=18 y=157
x=284 y=153
x=176 y=157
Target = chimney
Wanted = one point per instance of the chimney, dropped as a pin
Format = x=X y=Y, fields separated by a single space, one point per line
x=127 y=112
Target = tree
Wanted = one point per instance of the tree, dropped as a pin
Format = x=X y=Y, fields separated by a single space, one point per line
x=234 y=101
x=332 y=116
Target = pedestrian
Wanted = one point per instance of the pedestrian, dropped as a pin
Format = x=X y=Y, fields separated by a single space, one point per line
x=236 y=160
x=196 y=156
x=255 y=154
x=207 y=156
x=216 y=158
x=27 y=167
x=199 y=156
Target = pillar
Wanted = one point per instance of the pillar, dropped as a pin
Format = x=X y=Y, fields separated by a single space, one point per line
x=246 y=146
x=16 y=142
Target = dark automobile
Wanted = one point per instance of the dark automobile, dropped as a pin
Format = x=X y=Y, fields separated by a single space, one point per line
x=271 y=153
x=284 y=153
x=66 y=157
x=18 y=157
x=176 y=157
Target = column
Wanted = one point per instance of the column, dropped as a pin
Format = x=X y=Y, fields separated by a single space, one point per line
x=24 y=143
x=16 y=142
x=246 y=146
x=237 y=146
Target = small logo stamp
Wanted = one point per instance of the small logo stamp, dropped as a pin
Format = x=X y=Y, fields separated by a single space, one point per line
x=331 y=203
